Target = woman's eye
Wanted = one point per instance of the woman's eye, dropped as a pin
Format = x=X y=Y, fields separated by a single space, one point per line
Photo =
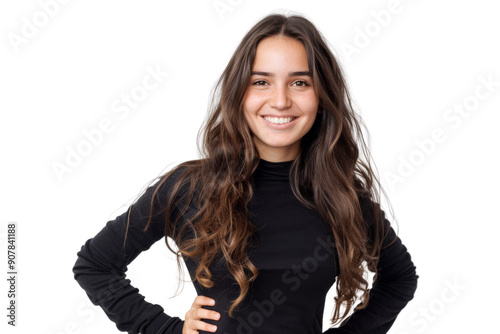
x=259 y=81
x=303 y=83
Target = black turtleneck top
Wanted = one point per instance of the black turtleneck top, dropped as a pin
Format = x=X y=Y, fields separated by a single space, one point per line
x=293 y=250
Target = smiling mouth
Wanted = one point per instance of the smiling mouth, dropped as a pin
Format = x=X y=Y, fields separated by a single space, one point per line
x=279 y=120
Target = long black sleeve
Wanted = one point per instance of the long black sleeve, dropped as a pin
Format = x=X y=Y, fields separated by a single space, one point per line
x=102 y=263
x=392 y=290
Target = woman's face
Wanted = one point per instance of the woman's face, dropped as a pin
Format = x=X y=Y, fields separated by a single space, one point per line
x=280 y=104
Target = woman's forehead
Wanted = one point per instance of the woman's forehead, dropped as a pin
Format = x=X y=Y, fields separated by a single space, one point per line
x=280 y=56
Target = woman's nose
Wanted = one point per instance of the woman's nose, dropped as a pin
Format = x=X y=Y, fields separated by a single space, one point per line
x=280 y=98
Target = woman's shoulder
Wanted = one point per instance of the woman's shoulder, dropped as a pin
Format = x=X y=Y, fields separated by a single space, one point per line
x=180 y=176
x=185 y=169
x=370 y=208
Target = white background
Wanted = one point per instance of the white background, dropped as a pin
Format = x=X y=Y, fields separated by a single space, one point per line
x=405 y=74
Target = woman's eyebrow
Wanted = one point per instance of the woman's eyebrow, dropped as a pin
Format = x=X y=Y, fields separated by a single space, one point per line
x=291 y=74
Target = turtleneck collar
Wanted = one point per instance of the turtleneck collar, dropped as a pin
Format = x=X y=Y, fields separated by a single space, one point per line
x=273 y=170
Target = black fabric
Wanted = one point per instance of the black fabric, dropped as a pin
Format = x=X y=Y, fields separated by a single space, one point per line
x=293 y=249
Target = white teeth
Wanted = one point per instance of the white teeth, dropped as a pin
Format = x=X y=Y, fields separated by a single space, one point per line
x=279 y=120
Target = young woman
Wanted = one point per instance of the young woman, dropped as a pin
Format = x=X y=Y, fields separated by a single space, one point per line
x=280 y=207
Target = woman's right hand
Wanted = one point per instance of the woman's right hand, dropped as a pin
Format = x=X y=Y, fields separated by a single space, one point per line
x=192 y=322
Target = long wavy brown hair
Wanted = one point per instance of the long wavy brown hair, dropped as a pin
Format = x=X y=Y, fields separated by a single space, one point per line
x=328 y=175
